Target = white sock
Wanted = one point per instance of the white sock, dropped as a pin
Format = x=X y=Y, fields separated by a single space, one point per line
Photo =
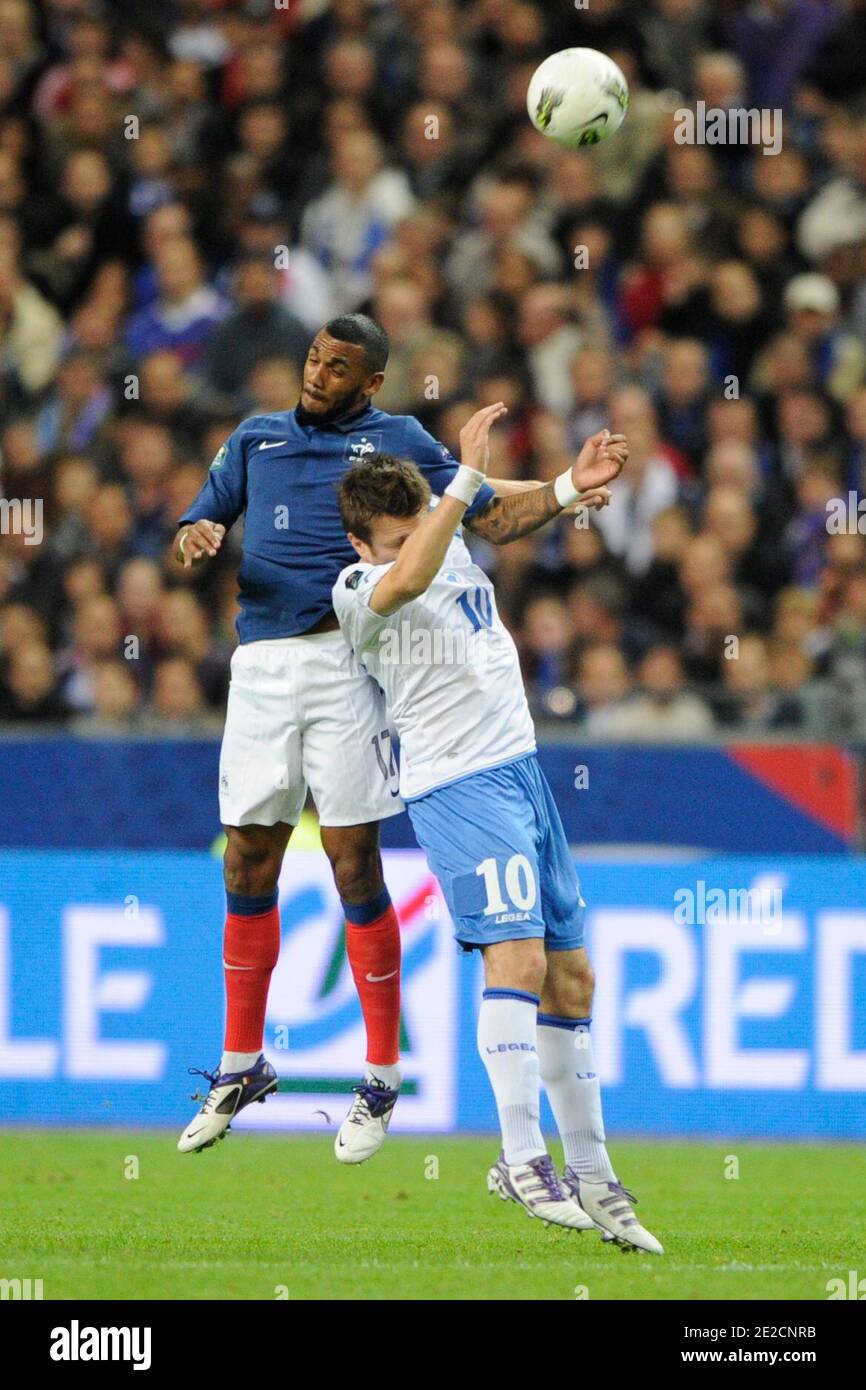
x=506 y=1043
x=568 y=1075
x=388 y=1073
x=238 y=1061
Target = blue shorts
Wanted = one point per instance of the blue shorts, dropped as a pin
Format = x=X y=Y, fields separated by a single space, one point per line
x=496 y=844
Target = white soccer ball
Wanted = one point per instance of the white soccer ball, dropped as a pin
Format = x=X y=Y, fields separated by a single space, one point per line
x=577 y=97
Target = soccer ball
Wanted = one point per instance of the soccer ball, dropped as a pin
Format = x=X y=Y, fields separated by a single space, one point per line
x=577 y=97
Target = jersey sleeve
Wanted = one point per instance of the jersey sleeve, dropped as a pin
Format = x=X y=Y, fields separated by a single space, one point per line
x=438 y=465
x=223 y=495
x=351 y=597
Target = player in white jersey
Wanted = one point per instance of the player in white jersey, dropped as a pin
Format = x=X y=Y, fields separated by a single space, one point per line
x=421 y=616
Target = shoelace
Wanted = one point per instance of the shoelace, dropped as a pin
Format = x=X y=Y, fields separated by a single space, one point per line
x=373 y=1101
x=548 y=1186
x=211 y=1076
x=618 y=1193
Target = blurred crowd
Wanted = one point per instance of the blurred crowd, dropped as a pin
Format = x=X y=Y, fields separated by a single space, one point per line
x=189 y=189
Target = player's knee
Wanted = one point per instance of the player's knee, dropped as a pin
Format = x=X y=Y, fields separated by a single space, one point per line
x=528 y=967
x=534 y=978
x=357 y=875
x=584 y=986
x=251 y=864
x=569 y=986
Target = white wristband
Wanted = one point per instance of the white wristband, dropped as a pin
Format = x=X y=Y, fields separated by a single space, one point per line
x=565 y=491
x=181 y=543
x=465 y=484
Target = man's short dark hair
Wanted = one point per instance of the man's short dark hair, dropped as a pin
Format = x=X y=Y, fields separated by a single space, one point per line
x=381 y=486
x=364 y=332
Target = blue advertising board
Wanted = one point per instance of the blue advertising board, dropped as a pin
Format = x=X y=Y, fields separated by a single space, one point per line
x=730 y=999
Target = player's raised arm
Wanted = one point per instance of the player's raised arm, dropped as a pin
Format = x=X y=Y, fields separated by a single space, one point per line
x=423 y=552
x=507 y=518
x=512 y=487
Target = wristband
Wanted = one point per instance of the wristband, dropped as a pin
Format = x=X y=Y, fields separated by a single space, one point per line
x=465 y=484
x=181 y=543
x=565 y=491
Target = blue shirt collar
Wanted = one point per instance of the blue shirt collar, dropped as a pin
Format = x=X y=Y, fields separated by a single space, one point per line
x=352 y=423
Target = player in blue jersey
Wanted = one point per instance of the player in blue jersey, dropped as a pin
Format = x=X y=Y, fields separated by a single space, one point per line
x=422 y=618
x=302 y=712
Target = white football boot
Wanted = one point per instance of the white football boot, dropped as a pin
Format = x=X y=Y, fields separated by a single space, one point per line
x=610 y=1206
x=536 y=1187
x=363 y=1131
x=228 y=1095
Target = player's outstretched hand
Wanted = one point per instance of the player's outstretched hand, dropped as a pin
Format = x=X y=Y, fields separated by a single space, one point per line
x=601 y=459
x=474 y=445
x=200 y=542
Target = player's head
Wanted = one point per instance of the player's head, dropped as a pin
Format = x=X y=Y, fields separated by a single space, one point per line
x=381 y=502
x=345 y=366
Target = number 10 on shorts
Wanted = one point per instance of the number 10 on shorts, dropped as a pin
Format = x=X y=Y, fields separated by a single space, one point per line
x=520 y=884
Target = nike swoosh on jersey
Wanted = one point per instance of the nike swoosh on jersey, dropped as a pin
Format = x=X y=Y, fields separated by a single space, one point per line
x=265 y=445
x=375 y=979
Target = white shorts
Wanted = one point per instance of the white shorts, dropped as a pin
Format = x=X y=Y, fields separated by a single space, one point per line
x=303 y=712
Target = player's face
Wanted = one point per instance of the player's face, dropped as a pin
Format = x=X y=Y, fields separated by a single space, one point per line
x=337 y=380
x=387 y=534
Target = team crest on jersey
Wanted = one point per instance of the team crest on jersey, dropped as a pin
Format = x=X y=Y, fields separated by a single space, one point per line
x=363 y=446
x=220 y=456
x=354 y=579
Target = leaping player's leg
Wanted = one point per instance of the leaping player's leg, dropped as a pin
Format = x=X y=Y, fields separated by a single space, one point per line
x=571 y=1081
x=507 y=1026
x=479 y=836
x=262 y=792
x=251 y=949
x=373 y=950
x=565 y=1046
x=351 y=770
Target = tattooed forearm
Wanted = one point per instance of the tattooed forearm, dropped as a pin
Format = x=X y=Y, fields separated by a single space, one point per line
x=506 y=519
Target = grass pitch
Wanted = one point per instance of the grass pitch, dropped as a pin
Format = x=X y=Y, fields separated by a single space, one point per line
x=261 y=1217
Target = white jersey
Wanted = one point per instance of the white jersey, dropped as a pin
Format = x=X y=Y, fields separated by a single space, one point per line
x=448 y=667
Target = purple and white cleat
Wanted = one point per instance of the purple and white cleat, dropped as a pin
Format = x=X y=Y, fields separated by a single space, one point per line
x=227 y=1097
x=611 y=1207
x=362 y=1133
x=536 y=1186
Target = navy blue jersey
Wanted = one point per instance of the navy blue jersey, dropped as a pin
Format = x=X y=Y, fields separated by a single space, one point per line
x=283 y=476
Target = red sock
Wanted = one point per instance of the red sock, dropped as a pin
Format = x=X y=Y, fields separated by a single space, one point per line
x=373 y=948
x=251 y=949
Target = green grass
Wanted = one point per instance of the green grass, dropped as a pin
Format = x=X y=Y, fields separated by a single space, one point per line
x=258 y=1212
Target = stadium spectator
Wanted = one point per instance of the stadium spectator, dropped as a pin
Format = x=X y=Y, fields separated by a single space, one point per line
x=186 y=310
x=29 y=690
x=354 y=216
x=259 y=326
x=114 y=705
x=662 y=709
x=603 y=684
